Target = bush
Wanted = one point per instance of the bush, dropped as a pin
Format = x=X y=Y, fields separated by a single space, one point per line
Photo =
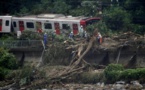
x=7 y=60
x=112 y=72
x=114 y=67
x=7 y=37
x=31 y=35
x=115 y=72
x=140 y=29
x=3 y=73
x=133 y=74
x=91 y=77
x=88 y=77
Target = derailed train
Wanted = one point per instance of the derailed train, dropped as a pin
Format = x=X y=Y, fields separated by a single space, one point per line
x=45 y=22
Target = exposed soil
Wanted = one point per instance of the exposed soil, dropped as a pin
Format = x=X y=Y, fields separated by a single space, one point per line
x=127 y=49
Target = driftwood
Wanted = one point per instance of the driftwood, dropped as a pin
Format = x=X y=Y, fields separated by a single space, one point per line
x=75 y=64
x=8 y=86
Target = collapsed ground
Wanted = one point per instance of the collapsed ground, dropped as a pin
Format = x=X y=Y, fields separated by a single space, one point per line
x=126 y=49
x=89 y=55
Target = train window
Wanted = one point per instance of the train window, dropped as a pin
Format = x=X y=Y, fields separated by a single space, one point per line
x=65 y=26
x=14 y=23
x=30 y=24
x=0 y=22
x=7 y=23
x=47 y=26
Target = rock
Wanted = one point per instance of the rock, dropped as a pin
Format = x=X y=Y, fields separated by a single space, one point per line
x=120 y=82
x=135 y=85
x=86 y=88
x=44 y=89
x=99 y=84
x=119 y=85
x=11 y=89
x=102 y=84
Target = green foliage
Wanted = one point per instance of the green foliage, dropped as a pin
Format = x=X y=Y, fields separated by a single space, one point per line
x=102 y=27
x=91 y=77
x=60 y=7
x=129 y=74
x=30 y=35
x=105 y=31
x=115 y=72
x=24 y=11
x=90 y=28
x=77 y=12
x=140 y=29
x=114 y=67
x=133 y=74
x=112 y=72
x=7 y=37
x=117 y=15
x=59 y=38
x=7 y=60
x=3 y=73
x=116 y=18
x=137 y=10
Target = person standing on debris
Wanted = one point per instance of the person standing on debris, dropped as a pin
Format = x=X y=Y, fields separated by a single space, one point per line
x=98 y=36
x=71 y=36
x=45 y=40
x=85 y=34
x=81 y=31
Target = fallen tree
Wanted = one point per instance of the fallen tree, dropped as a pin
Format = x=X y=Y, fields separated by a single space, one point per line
x=77 y=62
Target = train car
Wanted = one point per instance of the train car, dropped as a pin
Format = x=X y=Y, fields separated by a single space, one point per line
x=45 y=23
x=5 y=24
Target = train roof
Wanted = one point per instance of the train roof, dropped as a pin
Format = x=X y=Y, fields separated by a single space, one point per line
x=52 y=16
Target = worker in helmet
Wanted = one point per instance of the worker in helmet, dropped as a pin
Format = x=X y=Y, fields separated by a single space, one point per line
x=71 y=35
x=98 y=36
x=45 y=39
x=81 y=31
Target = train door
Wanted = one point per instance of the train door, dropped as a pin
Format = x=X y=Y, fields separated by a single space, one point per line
x=39 y=26
x=15 y=25
x=57 y=27
x=21 y=25
x=75 y=29
x=5 y=24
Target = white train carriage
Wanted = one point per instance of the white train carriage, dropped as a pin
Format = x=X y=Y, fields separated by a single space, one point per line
x=45 y=22
x=23 y=23
x=5 y=24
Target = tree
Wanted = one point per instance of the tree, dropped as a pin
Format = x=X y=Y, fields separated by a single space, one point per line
x=116 y=18
x=137 y=9
x=60 y=7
